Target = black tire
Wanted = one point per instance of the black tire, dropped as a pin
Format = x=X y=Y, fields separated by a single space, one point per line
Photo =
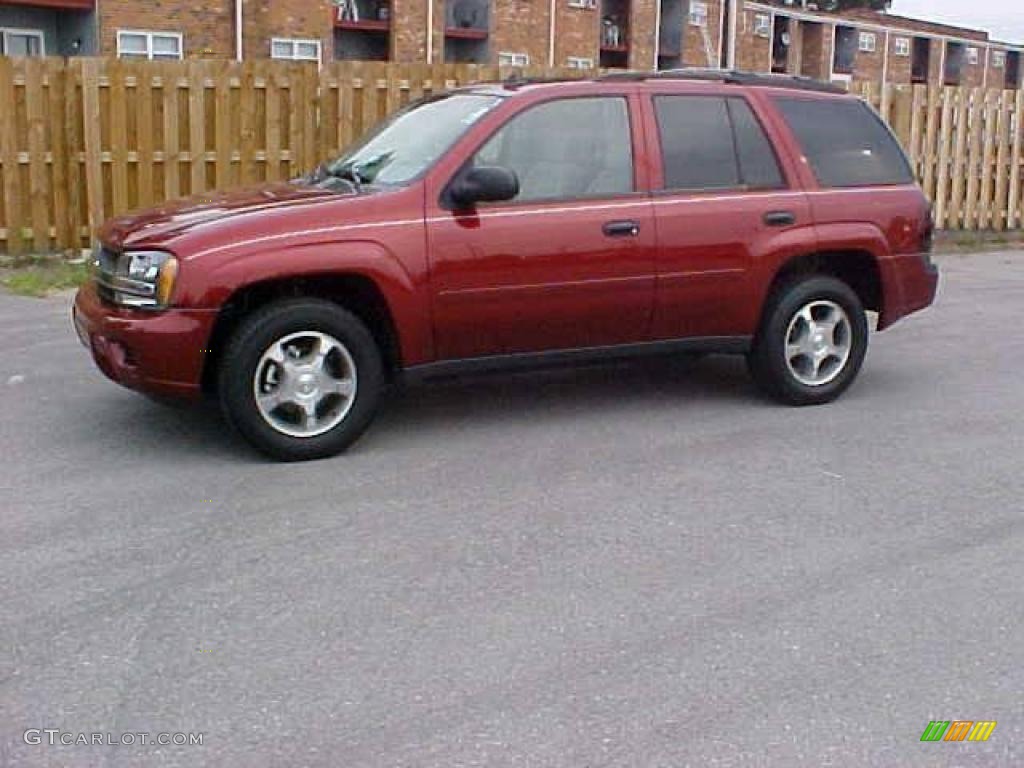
x=767 y=361
x=276 y=321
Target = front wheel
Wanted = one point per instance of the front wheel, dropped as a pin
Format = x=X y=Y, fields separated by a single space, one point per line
x=811 y=343
x=301 y=379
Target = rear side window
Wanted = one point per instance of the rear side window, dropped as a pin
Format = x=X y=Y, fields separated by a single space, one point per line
x=846 y=143
x=710 y=143
x=759 y=167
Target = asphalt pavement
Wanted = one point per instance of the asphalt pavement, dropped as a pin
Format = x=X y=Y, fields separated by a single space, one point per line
x=640 y=564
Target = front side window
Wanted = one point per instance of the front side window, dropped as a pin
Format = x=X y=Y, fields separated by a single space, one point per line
x=902 y=46
x=566 y=149
x=412 y=140
x=868 y=41
x=712 y=143
x=148 y=45
x=846 y=143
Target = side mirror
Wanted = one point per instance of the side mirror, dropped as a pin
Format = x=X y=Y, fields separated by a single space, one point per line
x=484 y=184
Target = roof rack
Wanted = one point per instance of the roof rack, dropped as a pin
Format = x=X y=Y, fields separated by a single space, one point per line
x=517 y=80
x=732 y=77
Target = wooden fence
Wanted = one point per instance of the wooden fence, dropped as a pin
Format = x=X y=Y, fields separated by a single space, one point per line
x=965 y=145
x=84 y=139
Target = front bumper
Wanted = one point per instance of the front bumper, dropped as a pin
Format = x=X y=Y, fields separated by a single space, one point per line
x=909 y=284
x=159 y=353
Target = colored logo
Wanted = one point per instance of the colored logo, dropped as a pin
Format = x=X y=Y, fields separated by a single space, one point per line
x=958 y=730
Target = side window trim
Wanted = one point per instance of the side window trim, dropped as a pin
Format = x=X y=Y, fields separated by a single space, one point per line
x=637 y=191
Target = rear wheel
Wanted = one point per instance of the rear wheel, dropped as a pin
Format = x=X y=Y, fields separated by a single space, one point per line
x=301 y=379
x=812 y=341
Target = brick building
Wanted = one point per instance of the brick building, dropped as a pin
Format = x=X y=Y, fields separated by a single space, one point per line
x=638 y=34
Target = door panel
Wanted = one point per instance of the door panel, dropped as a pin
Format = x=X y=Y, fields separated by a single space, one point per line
x=726 y=207
x=541 y=278
x=569 y=262
x=711 y=248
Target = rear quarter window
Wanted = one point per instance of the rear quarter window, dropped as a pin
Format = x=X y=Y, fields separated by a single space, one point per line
x=846 y=143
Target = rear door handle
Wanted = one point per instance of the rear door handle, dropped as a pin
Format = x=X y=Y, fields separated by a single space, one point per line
x=622 y=228
x=780 y=219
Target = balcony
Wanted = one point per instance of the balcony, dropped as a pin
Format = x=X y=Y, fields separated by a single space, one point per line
x=466 y=32
x=362 y=30
x=956 y=58
x=844 y=59
x=614 y=41
x=670 y=38
x=48 y=28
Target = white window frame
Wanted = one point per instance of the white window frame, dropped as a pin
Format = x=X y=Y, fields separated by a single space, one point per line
x=973 y=55
x=150 y=35
x=5 y=32
x=295 y=42
x=513 y=59
x=763 y=24
x=902 y=46
x=867 y=42
x=698 y=14
x=584 y=4
x=579 y=62
x=998 y=59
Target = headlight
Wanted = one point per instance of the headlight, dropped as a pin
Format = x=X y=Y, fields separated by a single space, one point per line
x=142 y=279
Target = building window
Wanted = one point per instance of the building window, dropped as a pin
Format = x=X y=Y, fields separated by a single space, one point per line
x=763 y=25
x=295 y=50
x=583 y=3
x=868 y=42
x=506 y=59
x=998 y=59
x=22 y=42
x=972 y=55
x=698 y=14
x=902 y=46
x=578 y=62
x=148 y=45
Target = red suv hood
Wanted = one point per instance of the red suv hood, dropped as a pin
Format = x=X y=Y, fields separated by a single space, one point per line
x=156 y=226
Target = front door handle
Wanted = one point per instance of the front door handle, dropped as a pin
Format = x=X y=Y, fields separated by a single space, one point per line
x=780 y=219
x=622 y=229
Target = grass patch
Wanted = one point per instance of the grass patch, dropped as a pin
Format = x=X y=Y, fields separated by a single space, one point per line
x=42 y=279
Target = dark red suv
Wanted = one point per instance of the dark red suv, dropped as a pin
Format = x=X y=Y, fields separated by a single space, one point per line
x=527 y=221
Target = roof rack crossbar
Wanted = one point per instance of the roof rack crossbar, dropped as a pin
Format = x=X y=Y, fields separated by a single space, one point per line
x=732 y=77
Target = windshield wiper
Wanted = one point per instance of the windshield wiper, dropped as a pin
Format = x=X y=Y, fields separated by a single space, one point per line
x=350 y=174
x=324 y=172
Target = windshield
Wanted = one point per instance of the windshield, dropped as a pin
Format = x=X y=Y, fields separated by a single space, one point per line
x=411 y=140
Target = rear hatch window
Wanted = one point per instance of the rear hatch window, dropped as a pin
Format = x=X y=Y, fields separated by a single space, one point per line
x=846 y=143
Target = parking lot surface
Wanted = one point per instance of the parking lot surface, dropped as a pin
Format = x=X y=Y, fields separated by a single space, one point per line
x=639 y=564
